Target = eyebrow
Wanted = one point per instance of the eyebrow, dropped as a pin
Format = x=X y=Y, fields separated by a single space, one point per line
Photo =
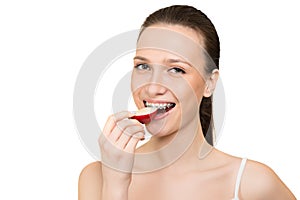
x=140 y=58
x=170 y=60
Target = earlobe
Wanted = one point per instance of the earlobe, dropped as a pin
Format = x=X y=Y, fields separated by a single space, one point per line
x=207 y=91
x=211 y=83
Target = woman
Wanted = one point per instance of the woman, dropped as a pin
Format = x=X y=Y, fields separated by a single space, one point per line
x=175 y=71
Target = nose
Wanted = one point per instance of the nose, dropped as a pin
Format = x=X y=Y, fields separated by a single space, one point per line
x=155 y=87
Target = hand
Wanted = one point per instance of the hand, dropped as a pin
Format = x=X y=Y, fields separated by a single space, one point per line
x=117 y=144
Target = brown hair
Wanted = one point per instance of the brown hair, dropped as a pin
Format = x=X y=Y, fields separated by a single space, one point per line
x=189 y=16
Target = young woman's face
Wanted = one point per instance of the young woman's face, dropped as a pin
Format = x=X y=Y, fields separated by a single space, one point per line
x=169 y=77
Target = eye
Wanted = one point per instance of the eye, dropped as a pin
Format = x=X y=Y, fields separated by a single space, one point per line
x=142 y=67
x=177 y=70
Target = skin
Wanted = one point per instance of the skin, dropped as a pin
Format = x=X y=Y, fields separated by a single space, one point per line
x=188 y=177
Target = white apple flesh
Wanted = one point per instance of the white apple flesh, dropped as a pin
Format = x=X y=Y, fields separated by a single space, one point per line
x=145 y=115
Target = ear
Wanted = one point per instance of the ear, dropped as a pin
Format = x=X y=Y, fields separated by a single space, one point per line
x=211 y=83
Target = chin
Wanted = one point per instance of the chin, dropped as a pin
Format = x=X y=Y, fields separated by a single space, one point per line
x=162 y=128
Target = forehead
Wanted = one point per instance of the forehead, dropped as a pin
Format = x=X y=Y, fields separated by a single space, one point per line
x=173 y=40
x=177 y=30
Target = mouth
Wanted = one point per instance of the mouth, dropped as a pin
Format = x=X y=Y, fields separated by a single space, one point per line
x=162 y=107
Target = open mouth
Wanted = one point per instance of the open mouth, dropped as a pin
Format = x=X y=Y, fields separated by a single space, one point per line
x=162 y=107
x=152 y=111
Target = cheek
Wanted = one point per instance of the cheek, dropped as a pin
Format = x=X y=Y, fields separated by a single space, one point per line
x=193 y=88
x=136 y=97
x=199 y=91
x=134 y=82
x=138 y=80
x=137 y=84
x=188 y=98
x=198 y=86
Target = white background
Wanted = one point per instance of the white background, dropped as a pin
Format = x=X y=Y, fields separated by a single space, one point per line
x=43 y=45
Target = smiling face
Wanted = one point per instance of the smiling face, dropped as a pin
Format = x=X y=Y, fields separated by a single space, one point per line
x=169 y=77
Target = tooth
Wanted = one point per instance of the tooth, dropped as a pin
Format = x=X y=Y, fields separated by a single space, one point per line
x=159 y=105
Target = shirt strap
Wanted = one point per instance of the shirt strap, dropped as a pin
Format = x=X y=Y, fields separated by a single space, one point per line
x=238 y=178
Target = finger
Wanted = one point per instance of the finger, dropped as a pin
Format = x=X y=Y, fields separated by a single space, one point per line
x=132 y=143
x=115 y=134
x=112 y=120
x=127 y=126
x=130 y=127
x=124 y=138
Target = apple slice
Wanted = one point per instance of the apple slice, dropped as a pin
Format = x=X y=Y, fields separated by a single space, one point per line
x=144 y=115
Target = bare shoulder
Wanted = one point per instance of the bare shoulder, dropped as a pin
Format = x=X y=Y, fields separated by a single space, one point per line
x=90 y=182
x=91 y=172
x=259 y=181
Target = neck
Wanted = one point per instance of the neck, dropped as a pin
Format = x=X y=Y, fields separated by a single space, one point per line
x=182 y=147
x=187 y=133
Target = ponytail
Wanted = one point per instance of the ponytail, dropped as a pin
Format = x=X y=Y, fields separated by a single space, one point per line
x=206 y=119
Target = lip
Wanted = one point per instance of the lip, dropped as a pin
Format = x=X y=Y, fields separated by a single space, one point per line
x=161 y=116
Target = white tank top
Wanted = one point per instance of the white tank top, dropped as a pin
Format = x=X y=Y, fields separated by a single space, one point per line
x=238 y=179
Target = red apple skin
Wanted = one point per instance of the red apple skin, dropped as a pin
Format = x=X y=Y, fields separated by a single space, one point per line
x=146 y=118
